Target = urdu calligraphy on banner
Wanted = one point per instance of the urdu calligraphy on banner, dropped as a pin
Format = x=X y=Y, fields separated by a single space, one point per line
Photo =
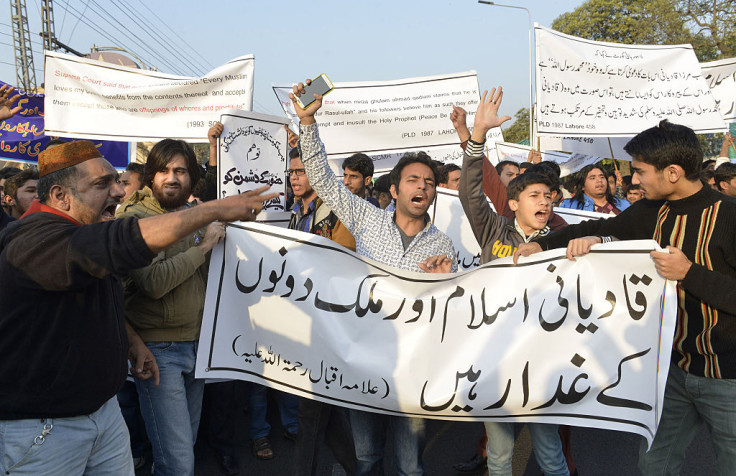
x=594 y=88
x=23 y=136
x=252 y=152
x=96 y=100
x=385 y=119
x=721 y=77
x=583 y=342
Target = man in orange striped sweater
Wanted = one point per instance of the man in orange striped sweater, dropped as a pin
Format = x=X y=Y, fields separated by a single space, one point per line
x=697 y=225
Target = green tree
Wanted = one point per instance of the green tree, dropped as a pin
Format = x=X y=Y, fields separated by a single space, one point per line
x=518 y=131
x=653 y=22
x=714 y=21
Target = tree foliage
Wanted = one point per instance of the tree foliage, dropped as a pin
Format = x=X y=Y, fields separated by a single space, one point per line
x=518 y=131
x=713 y=19
x=712 y=32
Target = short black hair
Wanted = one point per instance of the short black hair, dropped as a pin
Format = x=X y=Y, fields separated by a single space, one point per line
x=294 y=153
x=162 y=153
x=53 y=142
x=520 y=183
x=6 y=172
x=724 y=173
x=136 y=168
x=411 y=158
x=542 y=169
x=706 y=175
x=12 y=184
x=204 y=190
x=668 y=144
x=554 y=166
x=504 y=163
x=361 y=163
x=382 y=184
x=445 y=172
x=65 y=177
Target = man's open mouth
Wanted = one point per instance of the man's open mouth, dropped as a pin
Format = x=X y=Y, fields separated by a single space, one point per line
x=418 y=199
x=109 y=212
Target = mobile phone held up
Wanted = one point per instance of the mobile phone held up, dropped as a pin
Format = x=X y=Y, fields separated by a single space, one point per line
x=320 y=85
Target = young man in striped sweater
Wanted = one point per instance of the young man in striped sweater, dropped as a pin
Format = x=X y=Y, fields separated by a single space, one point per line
x=697 y=225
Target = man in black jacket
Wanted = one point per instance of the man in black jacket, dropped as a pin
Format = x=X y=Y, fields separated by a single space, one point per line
x=697 y=225
x=63 y=342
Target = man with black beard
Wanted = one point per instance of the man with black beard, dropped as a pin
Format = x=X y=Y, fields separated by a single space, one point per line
x=164 y=303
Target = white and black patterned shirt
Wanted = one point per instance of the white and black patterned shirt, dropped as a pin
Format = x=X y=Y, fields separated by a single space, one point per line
x=376 y=234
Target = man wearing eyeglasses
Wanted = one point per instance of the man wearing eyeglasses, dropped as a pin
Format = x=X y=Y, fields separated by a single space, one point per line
x=309 y=214
x=318 y=421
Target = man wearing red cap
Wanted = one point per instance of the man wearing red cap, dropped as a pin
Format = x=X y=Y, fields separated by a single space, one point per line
x=63 y=338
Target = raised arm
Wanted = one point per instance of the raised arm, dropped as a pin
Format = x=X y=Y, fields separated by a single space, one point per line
x=492 y=186
x=212 y=135
x=483 y=220
x=352 y=210
x=727 y=144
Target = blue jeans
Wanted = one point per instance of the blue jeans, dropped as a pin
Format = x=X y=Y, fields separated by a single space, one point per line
x=172 y=410
x=545 y=443
x=690 y=400
x=369 y=433
x=288 y=411
x=95 y=445
x=258 y=407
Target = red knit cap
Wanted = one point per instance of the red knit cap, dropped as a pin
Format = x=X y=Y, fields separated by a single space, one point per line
x=66 y=155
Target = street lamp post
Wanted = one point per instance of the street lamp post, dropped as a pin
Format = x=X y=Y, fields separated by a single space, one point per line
x=531 y=104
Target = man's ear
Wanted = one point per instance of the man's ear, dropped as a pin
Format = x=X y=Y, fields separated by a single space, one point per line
x=394 y=192
x=368 y=180
x=723 y=185
x=60 y=197
x=9 y=202
x=513 y=205
x=674 y=173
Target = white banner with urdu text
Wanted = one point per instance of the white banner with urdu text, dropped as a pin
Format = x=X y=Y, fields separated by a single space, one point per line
x=583 y=342
x=96 y=100
x=591 y=88
x=721 y=77
x=386 y=119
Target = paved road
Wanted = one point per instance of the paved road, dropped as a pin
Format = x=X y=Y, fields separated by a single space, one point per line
x=596 y=452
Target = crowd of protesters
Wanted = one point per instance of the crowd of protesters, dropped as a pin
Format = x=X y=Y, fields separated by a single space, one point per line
x=101 y=272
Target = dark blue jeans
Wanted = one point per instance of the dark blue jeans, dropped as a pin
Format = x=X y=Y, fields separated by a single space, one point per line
x=172 y=410
x=690 y=400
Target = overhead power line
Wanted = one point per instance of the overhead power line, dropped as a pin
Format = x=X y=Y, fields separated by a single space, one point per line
x=153 y=33
x=158 y=17
x=136 y=39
